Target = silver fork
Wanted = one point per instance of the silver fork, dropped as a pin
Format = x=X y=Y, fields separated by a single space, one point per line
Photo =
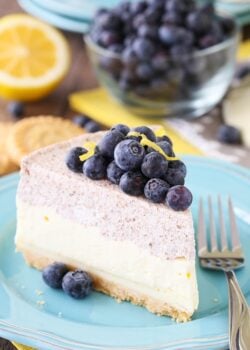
x=226 y=259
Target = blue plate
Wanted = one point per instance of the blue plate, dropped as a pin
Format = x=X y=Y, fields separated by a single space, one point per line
x=53 y=320
x=65 y=23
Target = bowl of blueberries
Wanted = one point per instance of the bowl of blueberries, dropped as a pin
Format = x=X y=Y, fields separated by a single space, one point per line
x=164 y=57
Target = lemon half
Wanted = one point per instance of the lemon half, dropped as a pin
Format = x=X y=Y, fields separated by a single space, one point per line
x=34 y=58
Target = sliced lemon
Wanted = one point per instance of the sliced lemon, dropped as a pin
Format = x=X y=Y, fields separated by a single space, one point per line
x=34 y=58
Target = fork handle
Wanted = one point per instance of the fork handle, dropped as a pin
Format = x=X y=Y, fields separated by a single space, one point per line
x=239 y=315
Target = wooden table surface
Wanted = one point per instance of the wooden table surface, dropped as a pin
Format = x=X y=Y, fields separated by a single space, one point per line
x=80 y=77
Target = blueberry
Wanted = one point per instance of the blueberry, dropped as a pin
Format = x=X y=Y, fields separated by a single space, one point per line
x=138 y=7
x=138 y=21
x=175 y=177
x=144 y=48
x=178 y=164
x=123 y=129
x=133 y=183
x=108 y=143
x=116 y=48
x=228 y=25
x=179 y=198
x=53 y=274
x=229 y=134
x=95 y=167
x=124 y=84
x=156 y=190
x=243 y=71
x=181 y=7
x=80 y=120
x=148 y=31
x=16 y=109
x=172 y=35
x=166 y=147
x=199 y=22
x=129 y=155
x=109 y=38
x=207 y=41
x=173 y=18
x=114 y=173
x=129 y=58
x=92 y=126
x=178 y=51
x=147 y=132
x=164 y=138
x=77 y=284
x=154 y=165
x=160 y=62
x=73 y=161
x=153 y=15
x=144 y=71
x=109 y=21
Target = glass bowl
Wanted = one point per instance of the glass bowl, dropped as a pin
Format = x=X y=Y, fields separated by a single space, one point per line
x=190 y=86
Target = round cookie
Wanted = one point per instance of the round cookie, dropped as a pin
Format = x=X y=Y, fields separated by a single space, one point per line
x=33 y=133
x=6 y=164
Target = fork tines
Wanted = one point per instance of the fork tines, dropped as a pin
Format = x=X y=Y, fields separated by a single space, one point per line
x=213 y=235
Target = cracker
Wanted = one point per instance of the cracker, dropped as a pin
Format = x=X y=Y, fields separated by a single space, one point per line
x=6 y=164
x=33 y=133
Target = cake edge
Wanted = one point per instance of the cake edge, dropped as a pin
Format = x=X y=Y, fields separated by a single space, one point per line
x=120 y=293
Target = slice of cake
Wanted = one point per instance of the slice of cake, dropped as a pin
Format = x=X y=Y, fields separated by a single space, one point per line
x=134 y=248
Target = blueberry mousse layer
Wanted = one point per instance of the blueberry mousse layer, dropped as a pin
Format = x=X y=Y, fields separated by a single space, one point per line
x=113 y=204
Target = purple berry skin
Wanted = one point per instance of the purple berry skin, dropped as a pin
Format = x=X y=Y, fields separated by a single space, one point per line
x=114 y=173
x=175 y=177
x=146 y=131
x=229 y=134
x=92 y=126
x=164 y=138
x=80 y=120
x=154 y=165
x=77 y=284
x=133 y=183
x=129 y=155
x=179 y=198
x=156 y=190
x=16 y=109
x=108 y=143
x=95 y=167
x=178 y=164
x=73 y=161
x=122 y=128
x=53 y=274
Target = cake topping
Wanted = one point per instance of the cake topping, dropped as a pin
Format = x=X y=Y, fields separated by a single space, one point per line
x=179 y=198
x=140 y=161
x=77 y=284
x=73 y=159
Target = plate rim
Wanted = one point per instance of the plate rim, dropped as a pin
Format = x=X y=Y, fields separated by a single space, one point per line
x=19 y=334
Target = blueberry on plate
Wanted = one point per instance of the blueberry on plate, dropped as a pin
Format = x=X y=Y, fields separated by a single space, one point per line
x=80 y=120
x=73 y=161
x=114 y=173
x=156 y=190
x=179 y=198
x=108 y=143
x=16 y=109
x=77 y=284
x=175 y=177
x=229 y=134
x=154 y=165
x=147 y=132
x=95 y=167
x=133 y=183
x=143 y=48
x=129 y=155
x=92 y=126
x=178 y=164
x=53 y=274
x=122 y=128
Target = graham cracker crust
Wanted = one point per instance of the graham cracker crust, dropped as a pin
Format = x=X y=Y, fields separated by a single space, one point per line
x=119 y=292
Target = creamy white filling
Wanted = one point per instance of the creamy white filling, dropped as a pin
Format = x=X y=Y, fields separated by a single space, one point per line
x=43 y=231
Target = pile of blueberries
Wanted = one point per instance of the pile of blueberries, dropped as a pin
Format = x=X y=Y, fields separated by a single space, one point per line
x=77 y=284
x=136 y=169
x=154 y=40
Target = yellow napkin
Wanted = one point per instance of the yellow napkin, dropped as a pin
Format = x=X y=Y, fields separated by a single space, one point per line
x=244 y=51
x=101 y=107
